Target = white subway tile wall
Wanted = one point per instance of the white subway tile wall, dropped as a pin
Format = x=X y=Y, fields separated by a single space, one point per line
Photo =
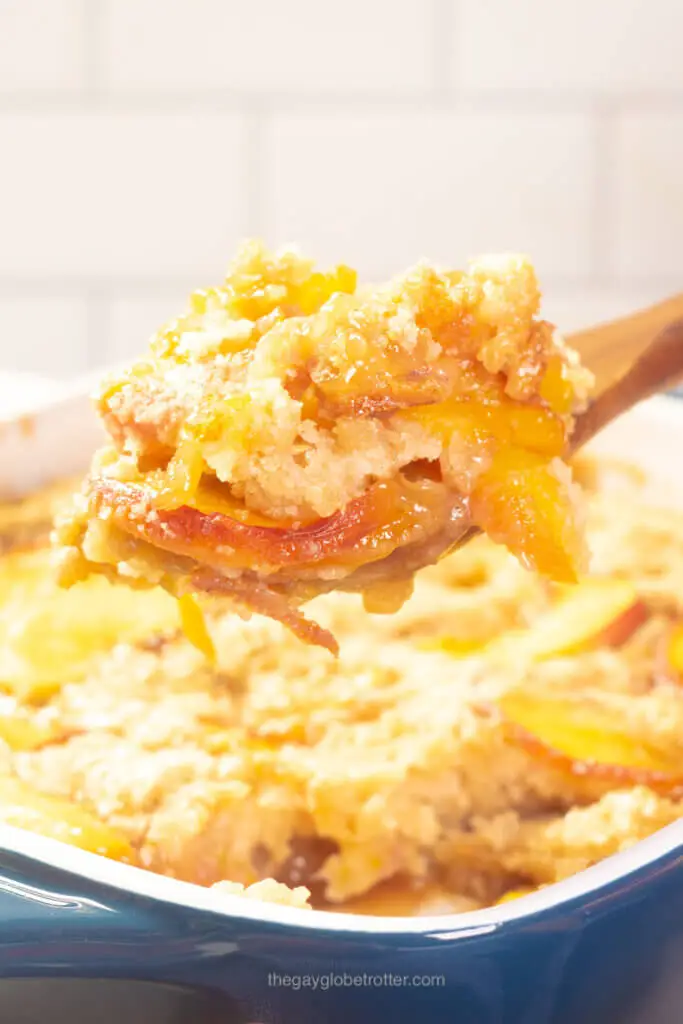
x=267 y=47
x=42 y=45
x=45 y=334
x=140 y=140
x=647 y=199
x=383 y=189
x=100 y=195
x=602 y=47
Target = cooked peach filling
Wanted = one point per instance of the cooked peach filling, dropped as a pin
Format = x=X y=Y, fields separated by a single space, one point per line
x=496 y=734
x=294 y=433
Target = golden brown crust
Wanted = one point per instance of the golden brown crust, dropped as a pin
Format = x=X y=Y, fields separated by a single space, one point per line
x=424 y=336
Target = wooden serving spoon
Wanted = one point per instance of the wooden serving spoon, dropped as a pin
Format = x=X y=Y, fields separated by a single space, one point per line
x=632 y=358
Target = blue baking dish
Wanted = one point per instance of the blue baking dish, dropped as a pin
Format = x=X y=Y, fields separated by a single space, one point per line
x=86 y=939
x=603 y=947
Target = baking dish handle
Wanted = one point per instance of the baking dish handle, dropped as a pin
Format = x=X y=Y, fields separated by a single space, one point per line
x=53 y=922
x=67 y=943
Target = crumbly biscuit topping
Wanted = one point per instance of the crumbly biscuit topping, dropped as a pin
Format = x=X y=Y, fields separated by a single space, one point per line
x=496 y=732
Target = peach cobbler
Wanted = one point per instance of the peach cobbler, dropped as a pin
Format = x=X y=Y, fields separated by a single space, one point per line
x=497 y=733
x=294 y=433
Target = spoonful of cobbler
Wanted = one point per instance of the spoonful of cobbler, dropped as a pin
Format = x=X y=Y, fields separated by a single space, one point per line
x=294 y=433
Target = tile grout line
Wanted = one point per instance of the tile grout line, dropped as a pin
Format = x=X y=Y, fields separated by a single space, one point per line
x=109 y=287
x=106 y=287
x=531 y=102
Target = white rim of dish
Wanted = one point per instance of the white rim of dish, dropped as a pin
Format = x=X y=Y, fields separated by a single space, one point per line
x=570 y=895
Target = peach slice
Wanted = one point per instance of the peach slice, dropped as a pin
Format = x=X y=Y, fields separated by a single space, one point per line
x=456 y=646
x=20 y=732
x=512 y=423
x=52 y=636
x=556 y=388
x=674 y=650
x=581 y=738
x=600 y=611
x=50 y=816
x=194 y=626
x=520 y=501
x=514 y=894
x=518 y=498
x=389 y=515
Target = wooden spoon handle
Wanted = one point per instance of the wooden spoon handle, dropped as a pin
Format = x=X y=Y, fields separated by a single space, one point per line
x=658 y=368
x=611 y=349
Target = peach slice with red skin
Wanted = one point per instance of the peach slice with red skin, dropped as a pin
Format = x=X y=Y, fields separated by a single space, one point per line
x=580 y=738
x=384 y=518
x=599 y=611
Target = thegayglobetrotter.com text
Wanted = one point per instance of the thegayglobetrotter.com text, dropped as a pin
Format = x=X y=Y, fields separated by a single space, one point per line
x=361 y=979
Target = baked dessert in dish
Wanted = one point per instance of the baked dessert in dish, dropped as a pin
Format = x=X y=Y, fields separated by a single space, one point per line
x=293 y=433
x=496 y=734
